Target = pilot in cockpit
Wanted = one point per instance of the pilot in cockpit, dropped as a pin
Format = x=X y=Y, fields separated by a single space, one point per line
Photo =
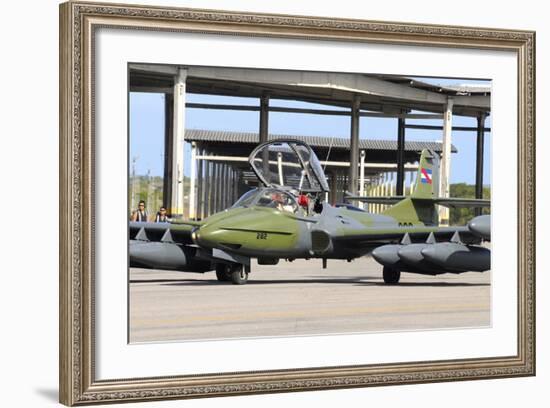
x=282 y=202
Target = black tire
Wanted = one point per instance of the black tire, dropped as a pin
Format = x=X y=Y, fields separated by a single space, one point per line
x=223 y=272
x=239 y=276
x=391 y=275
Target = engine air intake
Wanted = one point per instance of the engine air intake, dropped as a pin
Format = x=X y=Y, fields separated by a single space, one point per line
x=320 y=241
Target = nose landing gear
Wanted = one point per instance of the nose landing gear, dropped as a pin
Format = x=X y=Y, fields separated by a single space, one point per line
x=237 y=274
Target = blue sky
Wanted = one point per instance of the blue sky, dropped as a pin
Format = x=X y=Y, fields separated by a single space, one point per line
x=147 y=128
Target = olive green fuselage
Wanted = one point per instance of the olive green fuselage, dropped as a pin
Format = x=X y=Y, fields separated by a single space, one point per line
x=261 y=232
x=255 y=232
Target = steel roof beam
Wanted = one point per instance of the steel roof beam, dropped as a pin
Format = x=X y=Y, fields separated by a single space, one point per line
x=317 y=84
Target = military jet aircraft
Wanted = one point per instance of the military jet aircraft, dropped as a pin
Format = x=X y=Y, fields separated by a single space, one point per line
x=287 y=218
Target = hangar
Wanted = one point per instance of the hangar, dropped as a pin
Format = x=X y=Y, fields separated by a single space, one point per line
x=353 y=95
x=222 y=173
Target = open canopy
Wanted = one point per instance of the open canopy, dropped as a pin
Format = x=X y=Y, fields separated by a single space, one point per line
x=288 y=163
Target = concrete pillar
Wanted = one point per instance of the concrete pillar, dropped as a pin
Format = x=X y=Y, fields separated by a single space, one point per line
x=177 y=205
x=479 y=158
x=207 y=186
x=235 y=182
x=445 y=170
x=200 y=185
x=193 y=183
x=375 y=192
x=225 y=187
x=227 y=182
x=340 y=186
x=362 y=178
x=264 y=132
x=231 y=186
x=264 y=118
x=400 y=155
x=354 y=144
x=213 y=186
x=345 y=183
x=382 y=190
x=219 y=200
x=221 y=186
x=223 y=190
x=372 y=192
x=214 y=207
x=387 y=190
x=168 y=153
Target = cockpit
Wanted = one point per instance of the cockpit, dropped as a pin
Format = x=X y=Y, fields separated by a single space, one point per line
x=270 y=198
x=293 y=178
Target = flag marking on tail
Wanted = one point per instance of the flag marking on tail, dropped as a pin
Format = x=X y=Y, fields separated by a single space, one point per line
x=426 y=176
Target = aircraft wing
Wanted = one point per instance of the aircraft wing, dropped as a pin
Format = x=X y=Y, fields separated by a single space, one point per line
x=452 y=202
x=376 y=200
x=478 y=229
x=380 y=236
x=179 y=233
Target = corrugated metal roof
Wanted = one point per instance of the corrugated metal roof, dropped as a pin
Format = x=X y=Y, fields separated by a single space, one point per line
x=216 y=136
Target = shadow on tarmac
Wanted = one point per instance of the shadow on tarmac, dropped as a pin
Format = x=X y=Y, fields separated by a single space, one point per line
x=356 y=281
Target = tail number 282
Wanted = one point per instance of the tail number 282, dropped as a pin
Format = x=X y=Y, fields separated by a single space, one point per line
x=261 y=235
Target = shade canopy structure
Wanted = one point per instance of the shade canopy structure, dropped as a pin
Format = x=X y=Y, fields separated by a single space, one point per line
x=354 y=95
x=393 y=95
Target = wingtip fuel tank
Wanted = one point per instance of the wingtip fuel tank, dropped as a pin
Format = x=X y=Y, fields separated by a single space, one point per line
x=481 y=226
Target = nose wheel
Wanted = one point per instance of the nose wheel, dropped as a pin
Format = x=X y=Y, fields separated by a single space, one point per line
x=235 y=273
x=239 y=275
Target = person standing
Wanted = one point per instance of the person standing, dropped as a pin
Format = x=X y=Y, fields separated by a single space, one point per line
x=140 y=215
x=161 y=215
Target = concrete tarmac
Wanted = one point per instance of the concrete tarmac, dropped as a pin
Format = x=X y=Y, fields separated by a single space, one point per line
x=300 y=298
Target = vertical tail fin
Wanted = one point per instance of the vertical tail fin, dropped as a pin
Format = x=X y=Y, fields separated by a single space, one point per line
x=427 y=178
x=413 y=210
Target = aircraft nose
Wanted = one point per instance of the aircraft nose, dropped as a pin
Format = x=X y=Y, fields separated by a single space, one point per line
x=195 y=235
x=202 y=237
x=209 y=236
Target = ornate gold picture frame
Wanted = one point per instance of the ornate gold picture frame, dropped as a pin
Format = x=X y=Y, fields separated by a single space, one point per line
x=78 y=25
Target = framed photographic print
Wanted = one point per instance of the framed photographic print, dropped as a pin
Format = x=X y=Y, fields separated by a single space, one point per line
x=255 y=203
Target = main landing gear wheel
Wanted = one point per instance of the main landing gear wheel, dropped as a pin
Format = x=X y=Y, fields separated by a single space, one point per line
x=239 y=275
x=223 y=272
x=391 y=275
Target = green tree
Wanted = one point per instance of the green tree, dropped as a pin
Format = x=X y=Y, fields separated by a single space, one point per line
x=460 y=216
